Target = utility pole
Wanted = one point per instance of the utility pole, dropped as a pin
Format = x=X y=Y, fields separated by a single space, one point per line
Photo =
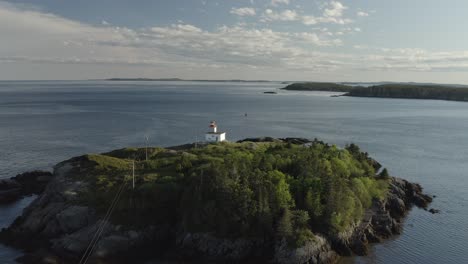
x=133 y=173
x=146 y=148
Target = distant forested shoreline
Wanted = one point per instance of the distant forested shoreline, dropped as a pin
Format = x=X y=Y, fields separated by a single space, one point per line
x=408 y=91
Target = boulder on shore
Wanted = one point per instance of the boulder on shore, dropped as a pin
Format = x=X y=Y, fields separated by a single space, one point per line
x=314 y=252
x=23 y=184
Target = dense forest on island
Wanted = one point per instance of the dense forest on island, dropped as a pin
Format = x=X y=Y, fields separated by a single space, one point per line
x=396 y=90
x=412 y=91
x=319 y=86
x=262 y=189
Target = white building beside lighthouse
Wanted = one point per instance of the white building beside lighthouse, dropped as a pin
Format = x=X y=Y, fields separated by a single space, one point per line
x=213 y=135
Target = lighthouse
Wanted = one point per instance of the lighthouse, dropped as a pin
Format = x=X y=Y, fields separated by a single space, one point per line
x=213 y=135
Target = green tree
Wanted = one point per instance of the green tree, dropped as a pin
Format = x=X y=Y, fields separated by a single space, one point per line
x=285 y=225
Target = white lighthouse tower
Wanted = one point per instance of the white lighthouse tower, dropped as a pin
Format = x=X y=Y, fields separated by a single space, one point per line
x=213 y=135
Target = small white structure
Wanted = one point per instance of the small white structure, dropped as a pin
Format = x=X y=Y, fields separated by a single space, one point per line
x=213 y=135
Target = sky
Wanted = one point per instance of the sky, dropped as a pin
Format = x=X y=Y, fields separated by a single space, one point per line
x=293 y=40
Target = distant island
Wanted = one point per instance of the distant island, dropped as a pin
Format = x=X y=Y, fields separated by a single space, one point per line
x=392 y=90
x=272 y=200
x=181 y=80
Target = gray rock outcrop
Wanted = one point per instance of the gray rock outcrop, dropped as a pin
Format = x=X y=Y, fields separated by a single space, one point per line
x=27 y=183
x=313 y=252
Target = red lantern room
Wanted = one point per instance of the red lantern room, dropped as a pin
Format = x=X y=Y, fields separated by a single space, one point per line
x=213 y=126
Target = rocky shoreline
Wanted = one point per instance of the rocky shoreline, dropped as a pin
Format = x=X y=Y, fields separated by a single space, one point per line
x=55 y=229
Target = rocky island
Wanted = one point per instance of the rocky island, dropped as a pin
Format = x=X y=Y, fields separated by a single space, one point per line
x=258 y=200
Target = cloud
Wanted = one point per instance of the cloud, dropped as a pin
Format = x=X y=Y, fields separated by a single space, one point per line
x=310 y=20
x=362 y=14
x=286 y=15
x=292 y=15
x=186 y=28
x=335 y=9
x=332 y=14
x=34 y=37
x=243 y=11
x=278 y=2
x=412 y=60
x=334 y=20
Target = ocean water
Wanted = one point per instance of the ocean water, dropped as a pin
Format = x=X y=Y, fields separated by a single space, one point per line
x=425 y=141
x=8 y=213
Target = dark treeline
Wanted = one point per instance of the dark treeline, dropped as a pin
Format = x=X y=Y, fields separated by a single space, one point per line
x=410 y=91
x=319 y=86
x=181 y=80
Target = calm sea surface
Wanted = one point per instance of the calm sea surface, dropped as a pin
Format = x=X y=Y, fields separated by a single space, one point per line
x=42 y=123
